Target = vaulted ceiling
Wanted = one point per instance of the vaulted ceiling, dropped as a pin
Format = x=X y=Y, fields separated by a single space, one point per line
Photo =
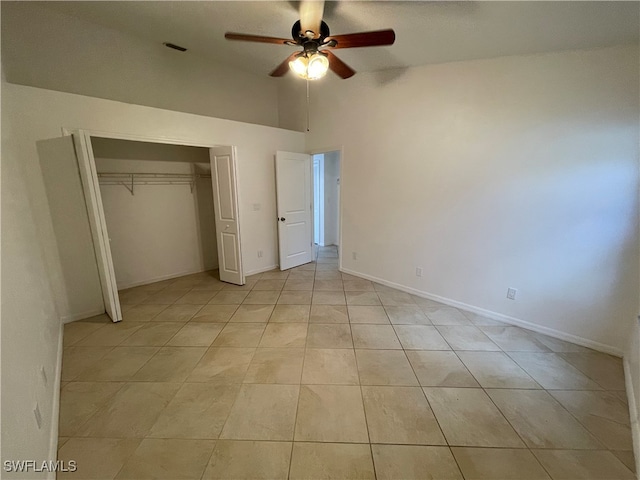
x=426 y=32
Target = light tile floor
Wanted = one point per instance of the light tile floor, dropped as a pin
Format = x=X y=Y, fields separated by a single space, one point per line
x=311 y=373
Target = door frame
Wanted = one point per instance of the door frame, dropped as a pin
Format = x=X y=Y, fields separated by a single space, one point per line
x=340 y=149
x=316 y=193
x=318 y=182
x=87 y=165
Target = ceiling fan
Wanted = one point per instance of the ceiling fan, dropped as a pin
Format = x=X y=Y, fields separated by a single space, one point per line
x=313 y=35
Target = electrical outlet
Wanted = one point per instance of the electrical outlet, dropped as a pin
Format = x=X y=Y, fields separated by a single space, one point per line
x=511 y=293
x=43 y=374
x=354 y=255
x=36 y=413
x=259 y=253
x=418 y=271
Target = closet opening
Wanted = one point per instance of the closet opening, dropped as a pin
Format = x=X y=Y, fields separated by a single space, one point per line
x=129 y=211
x=159 y=210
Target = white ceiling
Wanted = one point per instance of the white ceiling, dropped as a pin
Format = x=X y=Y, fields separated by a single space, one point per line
x=426 y=32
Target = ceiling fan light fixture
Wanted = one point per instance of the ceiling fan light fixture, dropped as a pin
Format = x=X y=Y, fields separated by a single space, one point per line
x=318 y=66
x=313 y=67
x=299 y=66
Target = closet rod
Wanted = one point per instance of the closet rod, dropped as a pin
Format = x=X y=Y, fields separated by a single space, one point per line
x=152 y=175
x=128 y=180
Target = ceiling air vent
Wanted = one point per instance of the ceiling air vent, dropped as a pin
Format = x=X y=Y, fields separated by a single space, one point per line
x=174 y=46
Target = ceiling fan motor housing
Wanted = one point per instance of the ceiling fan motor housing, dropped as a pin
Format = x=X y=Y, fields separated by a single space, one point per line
x=302 y=39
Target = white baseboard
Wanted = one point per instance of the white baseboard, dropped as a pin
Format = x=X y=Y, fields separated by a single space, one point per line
x=164 y=277
x=55 y=407
x=82 y=315
x=633 y=412
x=585 y=342
x=260 y=270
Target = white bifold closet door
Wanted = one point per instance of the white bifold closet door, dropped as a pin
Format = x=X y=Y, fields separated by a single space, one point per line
x=75 y=205
x=225 y=205
x=295 y=220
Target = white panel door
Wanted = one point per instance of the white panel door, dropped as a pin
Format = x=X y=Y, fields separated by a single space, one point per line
x=293 y=189
x=225 y=205
x=61 y=162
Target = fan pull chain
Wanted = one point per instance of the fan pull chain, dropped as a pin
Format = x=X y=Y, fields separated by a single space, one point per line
x=307 y=105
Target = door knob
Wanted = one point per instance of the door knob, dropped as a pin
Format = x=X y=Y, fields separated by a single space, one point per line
x=282 y=219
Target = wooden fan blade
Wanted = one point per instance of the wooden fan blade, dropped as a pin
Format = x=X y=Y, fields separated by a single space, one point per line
x=256 y=38
x=283 y=68
x=338 y=67
x=364 y=39
x=311 y=15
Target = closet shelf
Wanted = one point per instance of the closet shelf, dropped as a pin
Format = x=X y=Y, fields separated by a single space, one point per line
x=129 y=180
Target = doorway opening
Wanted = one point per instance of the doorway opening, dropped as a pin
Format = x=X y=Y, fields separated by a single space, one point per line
x=326 y=195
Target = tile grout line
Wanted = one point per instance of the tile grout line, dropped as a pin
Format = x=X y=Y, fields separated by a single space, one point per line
x=109 y=397
x=438 y=422
x=373 y=461
x=186 y=377
x=295 y=417
x=527 y=447
x=240 y=385
x=364 y=408
x=434 y=416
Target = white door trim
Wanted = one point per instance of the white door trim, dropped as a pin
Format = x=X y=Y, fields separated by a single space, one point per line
x=316 y=202
x=340 y=149
x=143 y=138
x=320 y=185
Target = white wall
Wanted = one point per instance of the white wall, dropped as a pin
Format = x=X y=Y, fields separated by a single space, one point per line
x=30 y=264
x=331 y=189
x=161 y=231
x=37 y=44
x=30 y=321
x=292 y=102
x=512 y=172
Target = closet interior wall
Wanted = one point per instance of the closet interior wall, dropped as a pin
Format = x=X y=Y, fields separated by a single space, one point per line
x=160 y=226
